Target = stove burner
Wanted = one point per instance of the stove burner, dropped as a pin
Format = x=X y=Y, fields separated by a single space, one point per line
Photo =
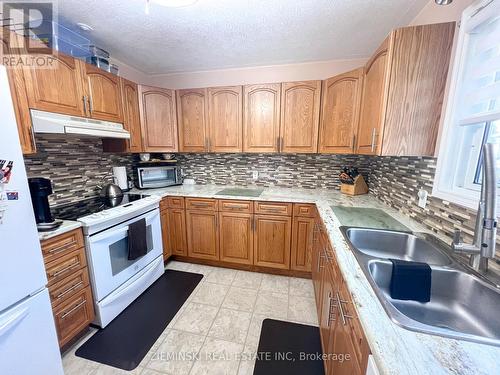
x=85 y=207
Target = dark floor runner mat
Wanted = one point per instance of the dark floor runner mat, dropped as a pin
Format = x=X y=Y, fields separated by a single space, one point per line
x=128 y=338
x=281 y=345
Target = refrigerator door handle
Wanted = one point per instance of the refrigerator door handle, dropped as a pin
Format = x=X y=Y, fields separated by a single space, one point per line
x=14 y=319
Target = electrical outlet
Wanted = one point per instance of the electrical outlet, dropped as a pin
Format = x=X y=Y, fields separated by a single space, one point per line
x=255 y=175
x=422 y=198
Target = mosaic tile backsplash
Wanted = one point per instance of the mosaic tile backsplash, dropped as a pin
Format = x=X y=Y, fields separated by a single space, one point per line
x=308 y=171
x=76 y=166
x=397 y=180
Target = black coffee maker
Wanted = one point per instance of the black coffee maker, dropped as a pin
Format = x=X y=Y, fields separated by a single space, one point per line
x=40 y=189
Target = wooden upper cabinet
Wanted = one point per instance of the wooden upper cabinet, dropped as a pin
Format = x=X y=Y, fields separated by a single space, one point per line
x=403 y=92
x=375 y=86
x=131 y=115
x=59 y=89
x=131 y=121
x=419 y=70
x=192 y=112
x=300 y=106
x=340 y=112
x=104 y=94
x=158 y=119
x=225 y=119
x=19 y=95
x=261 y=117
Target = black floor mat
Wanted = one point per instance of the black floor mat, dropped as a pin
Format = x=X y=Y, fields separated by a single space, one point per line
x=128 y=338
x=283 y=347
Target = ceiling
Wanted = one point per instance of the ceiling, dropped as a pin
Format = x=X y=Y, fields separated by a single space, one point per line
x=216 y=34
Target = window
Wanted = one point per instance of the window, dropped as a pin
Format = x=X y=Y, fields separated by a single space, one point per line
x=473 y=109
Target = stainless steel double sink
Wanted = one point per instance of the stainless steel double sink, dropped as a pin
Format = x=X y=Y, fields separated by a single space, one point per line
x=463 y=305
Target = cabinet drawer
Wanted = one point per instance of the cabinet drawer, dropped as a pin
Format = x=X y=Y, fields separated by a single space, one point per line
x=69 y=286
x=54 y=248
x=273 y=208
x=304 y=210
x=175 y=202
x=230 y=205
x=353 y=326
x=74 y=315
x=202 y=204
x=65 y=265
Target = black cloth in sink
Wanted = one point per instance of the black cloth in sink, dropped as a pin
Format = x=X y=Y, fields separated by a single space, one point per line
x=410 y=281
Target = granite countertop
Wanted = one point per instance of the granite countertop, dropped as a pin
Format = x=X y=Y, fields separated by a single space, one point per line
x=396 y=350
x=65 y=227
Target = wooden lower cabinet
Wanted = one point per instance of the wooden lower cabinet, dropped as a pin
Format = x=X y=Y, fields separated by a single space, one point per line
x=202 y=234
x=272 y=241
x=73 y=315
x=177 y=231
x=340 y=329
x=236 y=237
x=302 y=243
x=68 y=284
x=165 y=228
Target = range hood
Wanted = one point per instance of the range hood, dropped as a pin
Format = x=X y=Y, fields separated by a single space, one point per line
x=54 y=123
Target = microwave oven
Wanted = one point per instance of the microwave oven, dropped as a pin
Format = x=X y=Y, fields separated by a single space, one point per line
x=158 y=176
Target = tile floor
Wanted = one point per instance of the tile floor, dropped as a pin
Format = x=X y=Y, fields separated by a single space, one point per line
x=217 y=330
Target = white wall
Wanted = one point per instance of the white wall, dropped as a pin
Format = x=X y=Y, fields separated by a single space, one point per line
x=260 y=74
x=128 y=72
x=433 y=13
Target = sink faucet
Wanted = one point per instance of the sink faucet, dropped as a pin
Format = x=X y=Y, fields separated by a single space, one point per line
x=485 y=232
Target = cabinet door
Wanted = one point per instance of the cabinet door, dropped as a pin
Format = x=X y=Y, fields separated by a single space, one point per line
x=272 y=241
x=165 y=233
x=236 y=237
x=302 y=243
x=104 y=93
x=341 y=343
x=340 y=113
x=59 y=89
x=19 y=95
x=202 y=234
x=317 y=262
x=158 y=119
x=192 y=112
x=327 y=314
x=131 y=121
x=225 y=119
x=373 y=101
x=261 y=119
x=300 y=104
x=419 y=69
x=177 y=231
x=131 y=116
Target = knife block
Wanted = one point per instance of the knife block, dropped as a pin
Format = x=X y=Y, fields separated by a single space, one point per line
x=357 y=188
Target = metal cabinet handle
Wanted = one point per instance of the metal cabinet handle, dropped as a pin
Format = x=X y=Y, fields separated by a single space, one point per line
x=341 y=310
x=84 y=98
x=374 y=131
x=353 y=141
x=61 y=295
x=278 y=143
x=91 y=105
x=61 y=248
x=282 y=144
x=63 y=316
x=332 y=303
x=65 y=269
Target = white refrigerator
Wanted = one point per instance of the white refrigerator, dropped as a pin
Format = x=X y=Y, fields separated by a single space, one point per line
x=28 y=340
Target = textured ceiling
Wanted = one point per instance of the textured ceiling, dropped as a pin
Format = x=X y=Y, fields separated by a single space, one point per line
x=215 y=34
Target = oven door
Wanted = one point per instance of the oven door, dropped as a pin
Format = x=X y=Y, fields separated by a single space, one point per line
x=108 y=254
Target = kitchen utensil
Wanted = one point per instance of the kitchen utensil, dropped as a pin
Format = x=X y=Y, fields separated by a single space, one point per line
x=111 y=191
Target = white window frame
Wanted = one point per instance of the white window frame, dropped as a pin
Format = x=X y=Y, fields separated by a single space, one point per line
x=449 y=150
